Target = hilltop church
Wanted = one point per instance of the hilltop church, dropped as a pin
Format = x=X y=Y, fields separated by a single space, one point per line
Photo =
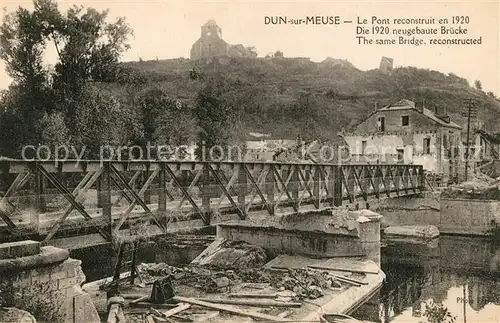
x=211 y=44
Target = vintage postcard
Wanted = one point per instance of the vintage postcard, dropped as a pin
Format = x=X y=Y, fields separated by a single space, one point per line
x=259 y=160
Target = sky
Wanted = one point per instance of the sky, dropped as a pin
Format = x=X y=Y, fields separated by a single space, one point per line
x=167 y=29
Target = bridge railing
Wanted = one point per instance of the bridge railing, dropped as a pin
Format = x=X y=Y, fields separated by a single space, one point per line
x=48 y=198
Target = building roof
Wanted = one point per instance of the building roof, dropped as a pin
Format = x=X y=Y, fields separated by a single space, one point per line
x=431 y=115
x=405 y=104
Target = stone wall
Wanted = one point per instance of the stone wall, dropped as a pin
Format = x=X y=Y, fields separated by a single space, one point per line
x=450 y=216
x=45 y=282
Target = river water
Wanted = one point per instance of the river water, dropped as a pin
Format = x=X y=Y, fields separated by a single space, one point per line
x=461 y=273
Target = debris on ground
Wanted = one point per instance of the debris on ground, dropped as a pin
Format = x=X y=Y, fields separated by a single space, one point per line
x=207 y=280
x=480 y=186
x=306 y=283
x=235 y=255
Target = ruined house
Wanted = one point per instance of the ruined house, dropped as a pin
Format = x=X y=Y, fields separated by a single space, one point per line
x=211 y=44
x=386 y=64
x=405 y=133
x=268 y=149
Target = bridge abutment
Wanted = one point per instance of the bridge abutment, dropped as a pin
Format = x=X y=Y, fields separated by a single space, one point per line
x=45 y=282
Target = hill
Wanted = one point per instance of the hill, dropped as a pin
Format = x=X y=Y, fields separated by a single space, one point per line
x=288 y=96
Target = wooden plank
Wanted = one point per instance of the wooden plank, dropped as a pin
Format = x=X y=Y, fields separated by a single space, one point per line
x=140 y=299
x=230 y=309
x=266 y=303
x=340 y=277
x=152 y=305
x=349 y=265
x=253 y=295
x=181 y=307
x=346 y=281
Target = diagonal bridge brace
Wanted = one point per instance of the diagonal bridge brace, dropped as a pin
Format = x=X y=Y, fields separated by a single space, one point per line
x=19 y=182
x=187 y=196
x=241 y=214
x=284 y=186
x=257 y=189
x=136 y=198
x=82 y=187
x=71 y=199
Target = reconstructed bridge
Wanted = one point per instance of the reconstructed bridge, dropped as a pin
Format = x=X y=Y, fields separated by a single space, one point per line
x=54 y=201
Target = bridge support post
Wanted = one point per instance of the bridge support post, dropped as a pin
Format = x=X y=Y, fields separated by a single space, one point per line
x=205 y=193
x=294 y=185
x=377 y=176
x=147 y=192
x=105 y=193
x=242 y=188
x=40 y=187
x=162 y=191
x=270 y=190
x=316 y=184
x=99 y=192
x=421 y=180
x=337 y=186
x=331 y=186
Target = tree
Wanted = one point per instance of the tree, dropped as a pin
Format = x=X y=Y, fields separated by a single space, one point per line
x=101 y=120
x=88 y=50
x=278 y=54
x=53 y=130
x=213 y=116
x=478 y=85
x=252 y=51
x=437 y=313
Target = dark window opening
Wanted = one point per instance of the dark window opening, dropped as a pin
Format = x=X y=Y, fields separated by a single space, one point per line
x=401 y=154
x=405 y=120
x=363 y=147
x=427 y=146
x=381 y=124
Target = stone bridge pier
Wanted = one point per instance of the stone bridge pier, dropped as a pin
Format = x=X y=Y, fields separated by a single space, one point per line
x=336 y=232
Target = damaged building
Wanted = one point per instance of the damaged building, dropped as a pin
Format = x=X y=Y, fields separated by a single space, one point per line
x=405 y=133
x=211 y=44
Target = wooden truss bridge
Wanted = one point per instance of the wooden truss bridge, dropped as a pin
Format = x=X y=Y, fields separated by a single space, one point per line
x=48 y=200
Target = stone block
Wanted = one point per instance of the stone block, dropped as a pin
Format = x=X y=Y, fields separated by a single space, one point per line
x=19 y=249
x=66 y=283
x=58 y=273
x=15 y=315
x=84 y=310
x=41 y=278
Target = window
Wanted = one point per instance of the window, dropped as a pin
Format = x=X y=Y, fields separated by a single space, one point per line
x=405 y=121
x=401 y=155
x=363 y=147
x=427 y=146
x=381 y=124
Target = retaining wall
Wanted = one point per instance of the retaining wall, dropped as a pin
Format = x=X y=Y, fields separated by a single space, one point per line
x=453 y=216
x=44 y=281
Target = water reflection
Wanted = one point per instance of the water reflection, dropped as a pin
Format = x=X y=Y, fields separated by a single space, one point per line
x=461 y=273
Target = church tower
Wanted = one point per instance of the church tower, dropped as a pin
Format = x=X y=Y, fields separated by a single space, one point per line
x=210 y=43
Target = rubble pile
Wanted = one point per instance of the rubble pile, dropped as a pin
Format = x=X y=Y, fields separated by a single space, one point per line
x=481 y=186
x=305 y=283
x=239 y=254
x=207 y=280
